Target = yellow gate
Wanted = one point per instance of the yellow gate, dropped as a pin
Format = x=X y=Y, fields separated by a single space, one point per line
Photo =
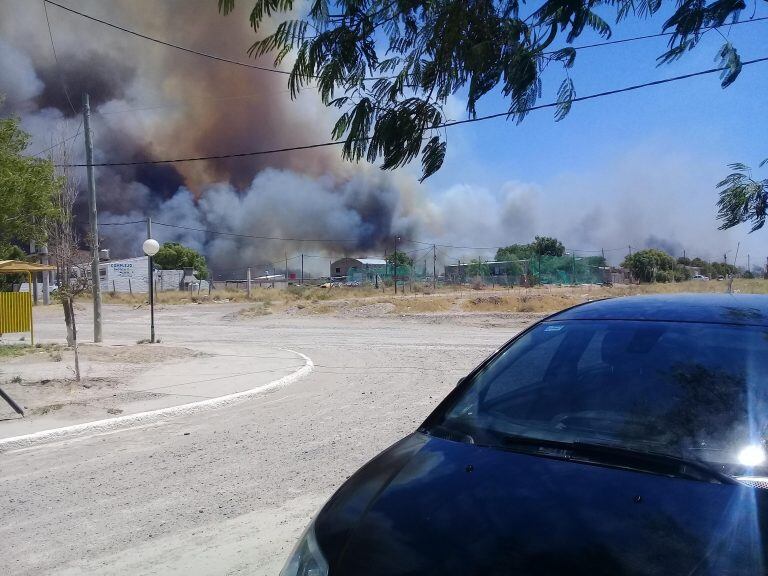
x=16 y=307
x=15 y=312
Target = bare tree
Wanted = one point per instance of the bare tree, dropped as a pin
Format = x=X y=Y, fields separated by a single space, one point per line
x=71 y=266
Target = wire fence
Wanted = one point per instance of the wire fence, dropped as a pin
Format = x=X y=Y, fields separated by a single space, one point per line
x=566 y=270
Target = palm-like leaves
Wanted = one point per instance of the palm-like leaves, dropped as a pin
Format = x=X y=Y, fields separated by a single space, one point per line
x=391 y=100
x=742 y=199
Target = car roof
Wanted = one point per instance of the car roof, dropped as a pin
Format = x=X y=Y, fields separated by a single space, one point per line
x=745 y=309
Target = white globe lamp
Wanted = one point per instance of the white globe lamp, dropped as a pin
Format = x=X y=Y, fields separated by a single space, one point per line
x=150 y=247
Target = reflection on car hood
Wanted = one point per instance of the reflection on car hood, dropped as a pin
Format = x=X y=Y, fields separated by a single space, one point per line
x=430 y=506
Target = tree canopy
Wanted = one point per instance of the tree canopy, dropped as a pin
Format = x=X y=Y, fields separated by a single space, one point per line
x=541 y=246
x=27 y=188
x=650 y=265
x=546 y=246
x=742 y=198
x=175 y=256
x=390 y=66
x=400 y=259
x=478 y=268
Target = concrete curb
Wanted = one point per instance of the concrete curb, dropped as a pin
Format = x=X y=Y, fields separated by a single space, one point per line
x=153 y=416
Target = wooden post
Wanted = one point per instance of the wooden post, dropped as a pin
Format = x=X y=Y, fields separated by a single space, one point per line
x=32 y=319
x=248 y=282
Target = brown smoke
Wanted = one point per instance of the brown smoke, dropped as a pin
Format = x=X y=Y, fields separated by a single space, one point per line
x=183 y=106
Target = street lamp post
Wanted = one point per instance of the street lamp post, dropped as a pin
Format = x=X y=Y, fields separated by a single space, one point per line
x=151 y=247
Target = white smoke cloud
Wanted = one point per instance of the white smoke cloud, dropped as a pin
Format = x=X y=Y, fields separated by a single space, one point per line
x=16 y=65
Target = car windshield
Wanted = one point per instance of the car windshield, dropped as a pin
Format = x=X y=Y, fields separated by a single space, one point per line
x=681 y=389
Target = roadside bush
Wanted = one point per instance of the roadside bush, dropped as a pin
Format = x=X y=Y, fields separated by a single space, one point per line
x=663 y=276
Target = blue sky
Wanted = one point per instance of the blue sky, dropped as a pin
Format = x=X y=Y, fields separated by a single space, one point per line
x=678 y=138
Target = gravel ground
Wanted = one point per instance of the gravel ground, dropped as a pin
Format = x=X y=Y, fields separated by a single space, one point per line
x=228 y=492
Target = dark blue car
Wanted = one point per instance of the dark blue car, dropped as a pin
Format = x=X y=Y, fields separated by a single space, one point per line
x=620 y=437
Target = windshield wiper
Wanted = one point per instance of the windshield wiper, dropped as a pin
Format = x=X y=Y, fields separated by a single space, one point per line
x=618 y=456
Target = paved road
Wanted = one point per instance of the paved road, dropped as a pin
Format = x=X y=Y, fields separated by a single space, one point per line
x=228 y=491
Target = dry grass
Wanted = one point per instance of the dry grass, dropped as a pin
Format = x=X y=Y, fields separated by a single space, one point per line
x=529 y=301
x=14 y=350
x=419 y=304
x=423 y=299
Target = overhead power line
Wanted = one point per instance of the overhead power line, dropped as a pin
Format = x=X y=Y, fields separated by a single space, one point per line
x=657 y=35
x=75 y=135
x=255 y=237
x=606 y=93
x=56 y=60
x=428 y=245
x=168 y=44
x=444 y=125
x=283 y=72
x=125 y=223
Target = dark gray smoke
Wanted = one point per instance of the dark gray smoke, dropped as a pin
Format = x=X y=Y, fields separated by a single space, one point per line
x=150 y=102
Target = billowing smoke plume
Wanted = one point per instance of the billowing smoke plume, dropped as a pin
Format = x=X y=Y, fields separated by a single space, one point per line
x=151 y=102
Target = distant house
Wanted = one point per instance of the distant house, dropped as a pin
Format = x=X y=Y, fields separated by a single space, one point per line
x=358 y=269
x=131 y=274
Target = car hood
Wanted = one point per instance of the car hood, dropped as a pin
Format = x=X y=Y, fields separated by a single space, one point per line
x=434 y=506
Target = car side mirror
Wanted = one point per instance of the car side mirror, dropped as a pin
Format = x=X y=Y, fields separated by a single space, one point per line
x=460 y=381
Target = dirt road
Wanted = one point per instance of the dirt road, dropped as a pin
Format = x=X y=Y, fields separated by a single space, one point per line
x=228 y=491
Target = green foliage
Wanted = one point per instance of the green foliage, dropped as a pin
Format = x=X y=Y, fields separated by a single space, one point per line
x=8 y=280
x=27 y=188
x=174 y=256
x=651 y=265
x=684 y=261
x=546 y=246
x=400 y=259
x=541 y=246
x=390 y=66
x=514 y=252
x=742 y=199
x=478 y=268
x=698 y=262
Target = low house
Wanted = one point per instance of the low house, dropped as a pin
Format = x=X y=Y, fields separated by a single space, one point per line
x=358 y=269
x=130 y=275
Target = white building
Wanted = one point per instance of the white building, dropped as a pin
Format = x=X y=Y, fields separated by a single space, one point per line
x=130 y=275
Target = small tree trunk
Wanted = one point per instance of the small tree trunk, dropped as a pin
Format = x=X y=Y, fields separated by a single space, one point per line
x=71 y=305
x=69 y=320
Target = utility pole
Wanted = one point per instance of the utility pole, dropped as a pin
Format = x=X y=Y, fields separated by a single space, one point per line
x=150 y=286
x=394 y=265
x=248 y=283
x=302 y=269
x=33 y=277
x=748 y=268
x=150 y=271
x=630 y=251
x=286 y=268
x=46 y=275
x=93 y=217
x=573 y=268
x=434 y=267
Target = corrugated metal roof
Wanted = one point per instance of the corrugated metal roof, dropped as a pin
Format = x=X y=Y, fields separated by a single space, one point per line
x=372 y=261
x=19 y=266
